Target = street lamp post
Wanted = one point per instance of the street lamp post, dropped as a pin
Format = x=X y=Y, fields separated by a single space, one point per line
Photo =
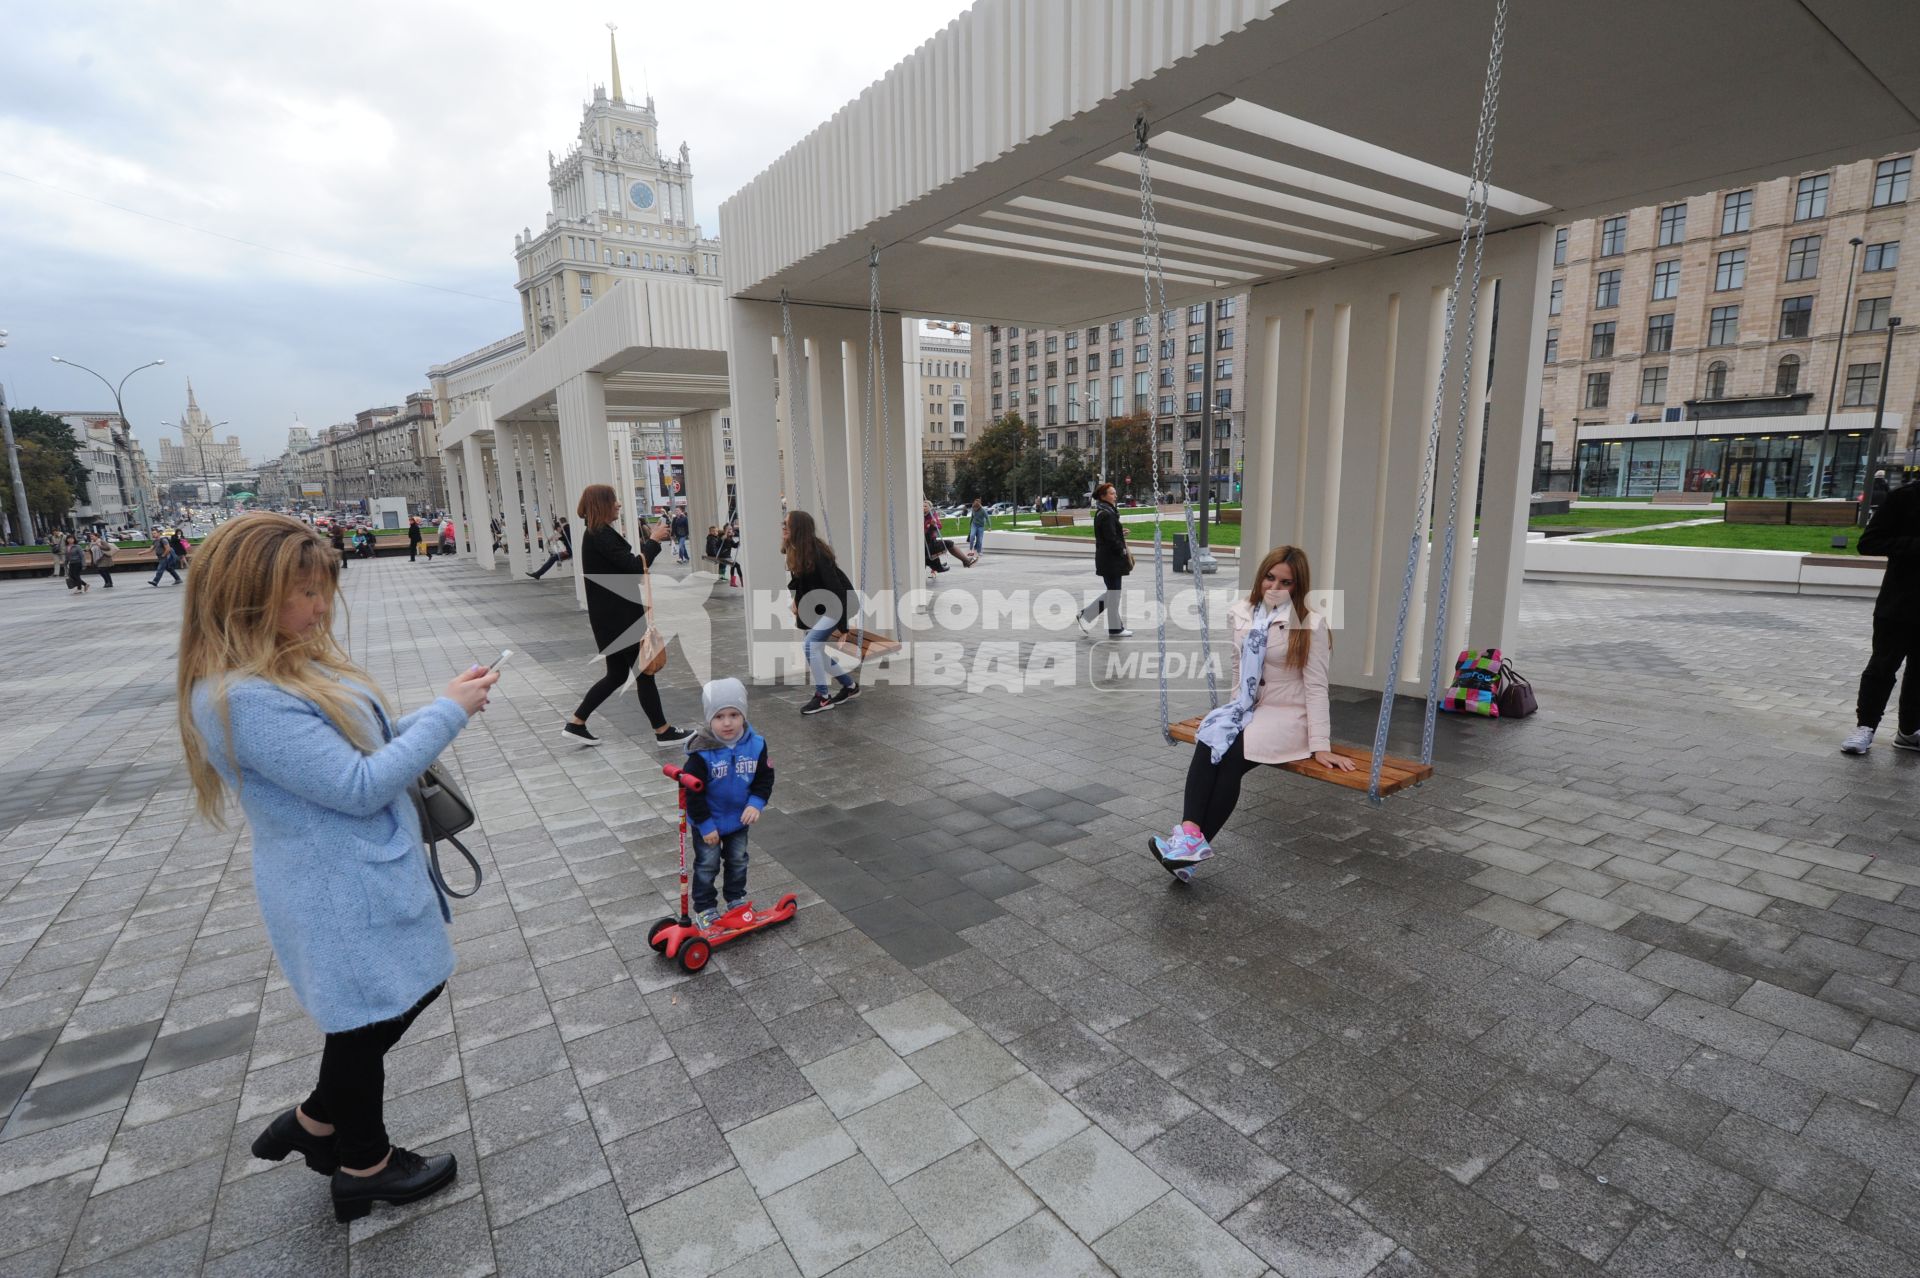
x=1833 y=381
x=1880 y=409
x=119 y=407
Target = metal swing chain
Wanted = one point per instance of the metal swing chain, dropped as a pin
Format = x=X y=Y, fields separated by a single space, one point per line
x=866 y=437
x=1152 y=271
x=1489 y=120
x=877 y=359
x=793 y=370
x=1422 y=530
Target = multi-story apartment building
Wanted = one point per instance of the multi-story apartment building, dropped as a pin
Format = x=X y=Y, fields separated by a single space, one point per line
x=120 y=482
x=1069 y=382
x=940 y=368
x=391 y=451
x=1700 y=342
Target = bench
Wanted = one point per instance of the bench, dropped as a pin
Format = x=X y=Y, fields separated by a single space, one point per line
x=1806 y=514
x=1395 y=774
x=1682 y=499
x=1052 y=519
x=1229 y=516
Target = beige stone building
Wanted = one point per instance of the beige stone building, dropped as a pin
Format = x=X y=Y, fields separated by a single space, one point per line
x=199 y=454
x=1696 y=342
x=1068 y=382
x=940 y=366
x=389 y=451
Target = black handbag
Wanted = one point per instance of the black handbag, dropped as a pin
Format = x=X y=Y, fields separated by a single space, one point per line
x=1515 y=694
x=444 y=813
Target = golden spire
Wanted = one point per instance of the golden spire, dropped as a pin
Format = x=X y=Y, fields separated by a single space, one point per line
x=614 y=47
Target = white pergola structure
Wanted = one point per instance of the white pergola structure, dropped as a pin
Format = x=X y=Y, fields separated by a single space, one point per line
x=1313 y=153
x=650 y=351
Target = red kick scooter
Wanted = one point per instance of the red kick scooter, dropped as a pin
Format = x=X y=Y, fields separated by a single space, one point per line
x=679 y=937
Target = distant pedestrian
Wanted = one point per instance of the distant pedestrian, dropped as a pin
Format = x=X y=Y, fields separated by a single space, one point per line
x=164 y=559
x=1112 y=561
x=338 y=537
x=274 y=713
x=499 y=535
x=559 y=550
x=414 y=539
x=74 y=555
x=679 y=525
x=446 y=546
x=103 y=559
x=1894 y=531
x=977 y=528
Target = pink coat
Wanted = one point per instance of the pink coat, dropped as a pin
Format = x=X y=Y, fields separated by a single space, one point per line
x=1290 y=719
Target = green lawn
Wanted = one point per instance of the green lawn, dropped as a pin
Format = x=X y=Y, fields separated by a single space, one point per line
x=1590 y=518
x=1725 y=536
x=1217 y=534
x=42 y=549
x=1717 y=497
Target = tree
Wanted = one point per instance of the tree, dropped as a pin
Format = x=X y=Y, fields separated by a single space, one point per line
x=966 y=485
x=933 y=478
x=62 y=449
x=1072 y=476
x=49 y=495
x=995 y=459
x=1130 y=455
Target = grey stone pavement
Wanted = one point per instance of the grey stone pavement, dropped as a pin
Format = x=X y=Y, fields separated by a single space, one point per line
x=1628 y=989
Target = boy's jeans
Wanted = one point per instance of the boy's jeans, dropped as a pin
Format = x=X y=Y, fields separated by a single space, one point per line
x=707 y=859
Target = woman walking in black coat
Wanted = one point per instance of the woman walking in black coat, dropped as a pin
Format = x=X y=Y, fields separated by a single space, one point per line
x=616 y=612
x=1112 y=561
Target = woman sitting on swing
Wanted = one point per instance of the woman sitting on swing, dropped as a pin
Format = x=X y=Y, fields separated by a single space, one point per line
x=1278 y=712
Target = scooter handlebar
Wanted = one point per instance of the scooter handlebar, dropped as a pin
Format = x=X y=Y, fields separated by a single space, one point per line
x=682 y=776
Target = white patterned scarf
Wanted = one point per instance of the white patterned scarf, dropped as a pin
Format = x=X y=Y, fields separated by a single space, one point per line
x=1222 y=725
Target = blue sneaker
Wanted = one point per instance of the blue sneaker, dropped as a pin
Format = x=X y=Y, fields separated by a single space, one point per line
x=703 y=919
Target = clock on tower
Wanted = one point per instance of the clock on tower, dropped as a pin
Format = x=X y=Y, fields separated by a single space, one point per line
x=641 y=194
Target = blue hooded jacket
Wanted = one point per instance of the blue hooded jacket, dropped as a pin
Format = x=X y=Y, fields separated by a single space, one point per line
x=734 y=778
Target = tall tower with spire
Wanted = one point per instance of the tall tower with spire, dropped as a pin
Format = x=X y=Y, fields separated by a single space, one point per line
x=620 y=208
x=198 y=453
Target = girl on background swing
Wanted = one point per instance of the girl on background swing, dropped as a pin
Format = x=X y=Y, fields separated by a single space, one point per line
x=1279 y=711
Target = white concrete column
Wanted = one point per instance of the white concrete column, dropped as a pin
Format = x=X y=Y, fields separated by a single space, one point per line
x=705 y=483
x=835 y=373
x=622 y=445
x=516 y=492
x=750 y=372
x=1460 y=603
x=450 y=466
x=1500 y=556
x=1260 y=366
x=582 y=455
x=886 y=506
x=475 y=509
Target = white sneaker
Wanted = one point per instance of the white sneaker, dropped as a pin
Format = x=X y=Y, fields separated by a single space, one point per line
x=1906 y=740
x=1859 y=741
x=1119 y=634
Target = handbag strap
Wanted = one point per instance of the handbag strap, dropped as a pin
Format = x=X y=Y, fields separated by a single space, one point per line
x=439 y=877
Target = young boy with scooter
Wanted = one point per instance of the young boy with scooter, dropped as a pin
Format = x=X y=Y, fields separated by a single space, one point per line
x=729 y=760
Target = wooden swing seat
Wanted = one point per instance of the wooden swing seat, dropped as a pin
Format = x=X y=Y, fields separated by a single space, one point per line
x=1396 y=775
x=864 y=644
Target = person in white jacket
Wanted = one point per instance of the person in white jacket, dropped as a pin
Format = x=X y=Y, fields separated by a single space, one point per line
x=1279 y=712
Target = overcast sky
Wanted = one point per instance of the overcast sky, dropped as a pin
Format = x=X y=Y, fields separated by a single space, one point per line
x=361 y=140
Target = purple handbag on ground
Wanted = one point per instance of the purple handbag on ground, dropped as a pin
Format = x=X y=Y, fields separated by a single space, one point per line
x=1515 y=694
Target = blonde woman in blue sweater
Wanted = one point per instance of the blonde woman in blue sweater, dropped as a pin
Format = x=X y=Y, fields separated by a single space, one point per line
x=272 y=709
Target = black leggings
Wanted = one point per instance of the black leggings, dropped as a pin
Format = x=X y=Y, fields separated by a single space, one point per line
x=1109 y=603
x=1894 y=641
x=353 y=1083
x=1214 y=788
x=619 y=666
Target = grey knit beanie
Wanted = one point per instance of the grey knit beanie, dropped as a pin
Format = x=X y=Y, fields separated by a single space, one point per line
x=722 y=694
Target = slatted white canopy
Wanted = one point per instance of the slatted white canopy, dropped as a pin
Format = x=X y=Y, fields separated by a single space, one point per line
x=994 y=165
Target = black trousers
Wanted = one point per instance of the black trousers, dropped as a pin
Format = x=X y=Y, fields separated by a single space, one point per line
x=351 y=1092
x=1895 y=640
x=413 y=551
x=619 y=666
x=106 y=574
x=1109 y=603
x=1214 y=788
x=542 y=570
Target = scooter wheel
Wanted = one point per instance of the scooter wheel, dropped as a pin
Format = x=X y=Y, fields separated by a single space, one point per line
x=694 y=955
x=653 y=934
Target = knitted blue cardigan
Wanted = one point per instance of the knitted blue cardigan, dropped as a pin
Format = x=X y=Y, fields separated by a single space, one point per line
x=338 y=864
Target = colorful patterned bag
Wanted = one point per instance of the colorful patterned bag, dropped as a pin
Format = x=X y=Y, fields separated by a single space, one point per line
x=1476 y=678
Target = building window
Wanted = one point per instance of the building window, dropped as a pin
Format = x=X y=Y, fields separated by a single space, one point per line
x=1195 y=401
x=1556 y=294
x=1786 y=378
x=1093 y=335
x=1653 y=385
x=1891 y=179
x=1717 y=379
x=1053 y=369
x=1796 y=316
x=1223 y=397
x=1073 y=340
x=1073 y=401
x=1140 y=324
x=1196 y=343
x=1723 y=329
x=1810 y=197
x=1736 y=213
x=998 y=403
x=1666 y=280
x=1196 y=371
x=1033 y=350
x=1602 y=345
x=1613 y=236
x=1116 y=397
x=1142 y=353
x=1803 y=258
x=1870 y=313
x=1073 y=365
x=1730 y=270
x=1223 y=309
x=1880 y=257
x=1223 y=368
x=1659 y=334
x=1116 y=357
x=1606 y=289
x=1053 y=343
x=1863 y=385
x=1197 y=314
x=1142 y=392
x=1598 y=385
x=1166 y=348
x=1560 y=247
x=1553 y=346
x=1166 y=375
x=1093 y=361
x=1012 y=332
x=1673 y=224
x=1223 y=340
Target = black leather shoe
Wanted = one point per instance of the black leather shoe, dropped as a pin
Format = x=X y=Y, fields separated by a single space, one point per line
x=406 y=1178
x=284 y=1135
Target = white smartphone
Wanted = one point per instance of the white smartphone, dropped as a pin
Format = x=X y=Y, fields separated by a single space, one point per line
x=500 y=660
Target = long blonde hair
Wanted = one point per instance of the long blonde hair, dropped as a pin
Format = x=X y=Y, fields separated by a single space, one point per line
x=230 y=630
x=1299 y=628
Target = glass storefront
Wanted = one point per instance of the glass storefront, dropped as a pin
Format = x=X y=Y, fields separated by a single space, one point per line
x=1736 y=465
